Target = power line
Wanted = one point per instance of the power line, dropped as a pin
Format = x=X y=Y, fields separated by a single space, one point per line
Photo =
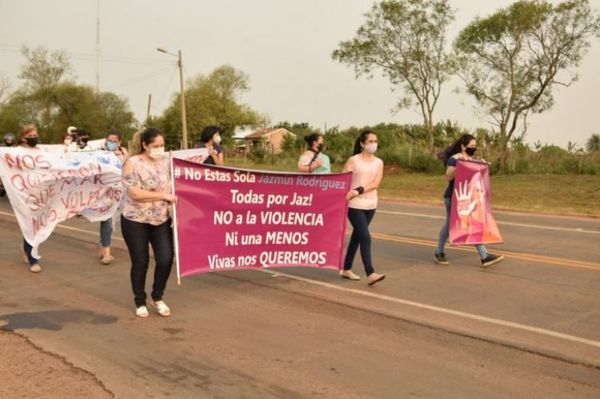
x=92 y=57
x=141 y=78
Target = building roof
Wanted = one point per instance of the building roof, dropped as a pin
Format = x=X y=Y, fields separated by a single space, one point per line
x=266 y=132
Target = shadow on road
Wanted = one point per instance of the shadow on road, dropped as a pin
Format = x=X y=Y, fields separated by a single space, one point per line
x=52 y=320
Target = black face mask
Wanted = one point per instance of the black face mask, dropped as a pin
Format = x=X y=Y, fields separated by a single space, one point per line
x=471 y=151
x=8 y=143
x=320 y=147
x=84 y=140
x=31 y=141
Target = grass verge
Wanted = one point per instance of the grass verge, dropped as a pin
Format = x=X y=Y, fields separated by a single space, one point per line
x=555 y=194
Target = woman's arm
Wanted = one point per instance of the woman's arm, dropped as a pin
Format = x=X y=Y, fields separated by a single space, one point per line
x=375 y=183
x=216 y=156
x=450 y=172
x=305 y=165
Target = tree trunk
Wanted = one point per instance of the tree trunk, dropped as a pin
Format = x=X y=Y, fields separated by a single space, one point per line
x=503 y=149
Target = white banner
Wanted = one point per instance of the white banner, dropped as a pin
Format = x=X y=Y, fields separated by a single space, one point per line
x=47 y=187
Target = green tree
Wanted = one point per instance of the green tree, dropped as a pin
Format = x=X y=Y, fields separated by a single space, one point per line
x=52 y=102
x=4 y=89
x=44 y=69
x=593 y=143
x=406 y=41
x=211 y=100
x=511 y=60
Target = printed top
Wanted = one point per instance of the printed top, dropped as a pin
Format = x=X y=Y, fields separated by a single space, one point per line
x=150 y=176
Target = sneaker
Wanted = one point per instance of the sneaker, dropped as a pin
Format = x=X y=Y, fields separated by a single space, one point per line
x=142 y=312
x=161 y=308
x=35 y=268
x=491 y=260
x=106 y=259
x=375 y=278
x=440 y=258
x=350 y=275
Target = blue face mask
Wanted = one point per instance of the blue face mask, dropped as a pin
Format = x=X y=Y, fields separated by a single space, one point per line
x=111 y=145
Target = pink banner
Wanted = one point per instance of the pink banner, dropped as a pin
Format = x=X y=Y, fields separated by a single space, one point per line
x=471 y=219
x=230 y=219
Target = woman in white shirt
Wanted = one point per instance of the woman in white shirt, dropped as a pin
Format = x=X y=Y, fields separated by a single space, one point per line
x=367 y=172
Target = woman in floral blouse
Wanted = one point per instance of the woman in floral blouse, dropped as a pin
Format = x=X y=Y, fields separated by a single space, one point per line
x=145 y=219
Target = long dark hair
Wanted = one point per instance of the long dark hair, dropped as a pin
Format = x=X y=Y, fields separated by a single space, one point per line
x=311 y=138
x=149 y=135
x=113 y=132
x=455 y=147
x=361 y=139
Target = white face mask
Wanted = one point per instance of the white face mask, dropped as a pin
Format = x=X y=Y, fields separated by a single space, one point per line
x=370 y=148
x=156 y=153
x=217 y=139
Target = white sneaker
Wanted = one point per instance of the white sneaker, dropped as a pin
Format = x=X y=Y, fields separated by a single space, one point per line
x=375 y=278
x=35 y=268
x=350 y=275
x=162 y=308
x=142 y=312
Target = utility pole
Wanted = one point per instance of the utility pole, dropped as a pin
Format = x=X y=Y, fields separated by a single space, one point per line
x=97 y=47
x=149 y=105
x=183 y=116
x=184 y=134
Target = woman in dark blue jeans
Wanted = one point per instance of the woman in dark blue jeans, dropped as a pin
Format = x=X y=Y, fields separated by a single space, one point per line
x=367 y=172
x=145 y=220
x=29 y=139
x=464 y=148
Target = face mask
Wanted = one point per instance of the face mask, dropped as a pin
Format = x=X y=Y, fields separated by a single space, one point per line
x=8 y=143
x=217 y=139
x=31 y=141
x=371 y=148
x=471 y=151
x=111 y=145
x=156 y=153
x=84 y=140
x=320 y=147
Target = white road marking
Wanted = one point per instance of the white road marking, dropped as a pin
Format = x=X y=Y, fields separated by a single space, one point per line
x=532 y=226
x=465 y=315
x=388 y=298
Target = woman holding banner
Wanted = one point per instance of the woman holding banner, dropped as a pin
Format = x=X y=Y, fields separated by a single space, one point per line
x=462 y=149
x=313 y=160
x=29 y=139
x=113 y=144
x=367 y=172
x=145 y=219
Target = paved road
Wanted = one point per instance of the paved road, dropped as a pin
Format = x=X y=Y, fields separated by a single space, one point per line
x=529 y=327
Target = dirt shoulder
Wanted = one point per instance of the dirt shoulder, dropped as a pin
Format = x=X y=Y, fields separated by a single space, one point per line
x=30 y=372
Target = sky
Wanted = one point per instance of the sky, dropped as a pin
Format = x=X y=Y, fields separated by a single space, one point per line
x=284 y=46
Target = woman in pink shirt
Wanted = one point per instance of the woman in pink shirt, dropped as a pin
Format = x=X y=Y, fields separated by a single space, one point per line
x=367 y=172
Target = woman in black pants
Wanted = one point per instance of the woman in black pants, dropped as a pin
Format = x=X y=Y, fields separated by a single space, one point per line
x=367 y=172
x=145 y=219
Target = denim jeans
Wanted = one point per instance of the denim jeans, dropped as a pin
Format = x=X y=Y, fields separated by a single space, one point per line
x=137 y=237
x=106 y=229
x=444 y=233
x=27 y=247
x=360 y=219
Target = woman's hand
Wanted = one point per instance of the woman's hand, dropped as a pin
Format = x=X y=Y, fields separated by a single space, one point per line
x=212 y=152
x=170 y=198
x=317 y=164
x=351 y=194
